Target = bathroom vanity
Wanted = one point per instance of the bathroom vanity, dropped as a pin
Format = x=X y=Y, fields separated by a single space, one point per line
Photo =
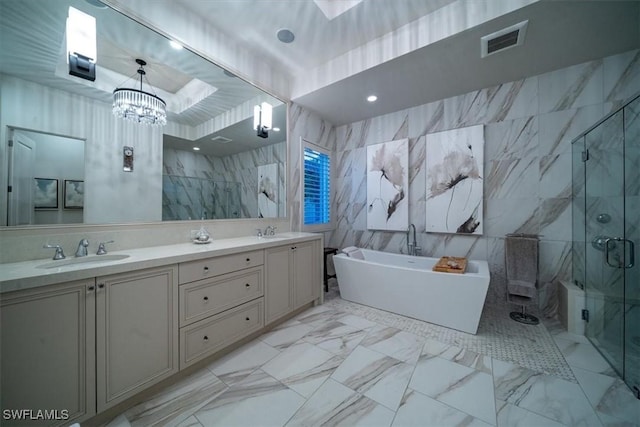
x=88 y=335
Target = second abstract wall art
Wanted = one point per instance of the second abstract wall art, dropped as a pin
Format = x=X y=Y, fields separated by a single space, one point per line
x=454 y=169
x=388 y=185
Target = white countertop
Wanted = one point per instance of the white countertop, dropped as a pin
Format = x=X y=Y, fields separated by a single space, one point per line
x=30 y=274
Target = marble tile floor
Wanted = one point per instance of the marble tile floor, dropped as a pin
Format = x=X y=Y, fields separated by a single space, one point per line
x=335 y=365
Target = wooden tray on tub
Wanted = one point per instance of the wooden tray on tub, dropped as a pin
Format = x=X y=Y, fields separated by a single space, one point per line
x=451 y=264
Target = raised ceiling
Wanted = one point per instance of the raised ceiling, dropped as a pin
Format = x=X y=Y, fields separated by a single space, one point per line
x=559 y=34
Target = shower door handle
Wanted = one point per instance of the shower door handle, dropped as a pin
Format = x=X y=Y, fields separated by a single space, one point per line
x=632 y=253
x=621 y=264
x=606 y=251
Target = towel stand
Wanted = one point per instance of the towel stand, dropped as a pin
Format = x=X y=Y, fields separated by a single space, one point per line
x=521 y=266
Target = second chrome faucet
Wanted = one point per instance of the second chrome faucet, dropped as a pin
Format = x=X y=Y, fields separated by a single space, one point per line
x=83 y=246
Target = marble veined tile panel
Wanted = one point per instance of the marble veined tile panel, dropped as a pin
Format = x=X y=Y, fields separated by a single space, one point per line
x=456 y=354
x=379 y=377
x=334 y=404
x=418 y=410
x=238 y=364
x=257 y=400
x=192 y=421
x=356 y=321
x=286 y=334
x=461 y=387
x=336 y=337
x=557 y=129
x=511 y=139
x=571 y=87
x=175 y=404
x=394 y=343
x=622 y=75
x=549 y=396
x=510 y=415
x=584 y=356
x=303 y=367
x=609 y=395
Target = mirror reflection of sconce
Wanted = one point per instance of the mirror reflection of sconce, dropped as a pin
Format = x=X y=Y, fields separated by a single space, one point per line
x=81 y=44
x=262 y=119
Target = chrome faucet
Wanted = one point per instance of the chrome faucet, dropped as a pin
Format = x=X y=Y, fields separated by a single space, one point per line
x=270 y=230
x=59 y=253
x=412 y=248
x=101 y=248
x=82 y=248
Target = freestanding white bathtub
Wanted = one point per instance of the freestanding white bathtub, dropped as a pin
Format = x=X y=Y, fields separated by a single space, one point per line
x=406 y=285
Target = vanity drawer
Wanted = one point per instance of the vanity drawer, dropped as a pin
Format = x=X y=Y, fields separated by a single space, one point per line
x=211 y=296
x=202 y=269
x=207 y=336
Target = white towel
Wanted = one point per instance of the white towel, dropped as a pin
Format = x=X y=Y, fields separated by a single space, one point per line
x=353 y=252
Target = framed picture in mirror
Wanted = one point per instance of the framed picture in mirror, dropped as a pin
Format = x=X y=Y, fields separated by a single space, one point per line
x=45 y=193
x=73 y=194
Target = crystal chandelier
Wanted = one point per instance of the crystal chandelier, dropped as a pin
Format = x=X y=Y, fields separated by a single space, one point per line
x=138 y=105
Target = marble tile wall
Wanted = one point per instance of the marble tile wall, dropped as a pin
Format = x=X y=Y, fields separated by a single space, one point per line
x=221 y=187
x=529 y=126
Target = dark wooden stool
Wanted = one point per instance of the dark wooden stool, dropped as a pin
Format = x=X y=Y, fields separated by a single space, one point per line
x=327 y=276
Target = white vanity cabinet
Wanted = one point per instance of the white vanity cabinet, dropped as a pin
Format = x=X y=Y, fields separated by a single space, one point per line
x=292 y=277
x=83 y=346
x=136 y=332
x=47 y=351
x=221 y=301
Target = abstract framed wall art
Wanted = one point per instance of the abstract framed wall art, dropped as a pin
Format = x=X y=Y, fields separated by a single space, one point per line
x=268 y=191
x=455 y=186
x=73 y=194
x=388 y=185
x=45 y=193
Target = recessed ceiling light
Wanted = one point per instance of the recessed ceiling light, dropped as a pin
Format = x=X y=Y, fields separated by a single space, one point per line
x=276 y=129
x=175 y=45
x=285 y=35
x=196 y=148
x=372 y=98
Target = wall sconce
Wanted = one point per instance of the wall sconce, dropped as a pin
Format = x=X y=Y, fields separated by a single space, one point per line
x=262 y=119
x=82 y=52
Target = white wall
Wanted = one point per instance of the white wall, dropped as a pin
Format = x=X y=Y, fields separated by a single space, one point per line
x=111 y=195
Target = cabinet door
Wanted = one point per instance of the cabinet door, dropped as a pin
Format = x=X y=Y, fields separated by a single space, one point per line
x=278 y=290
x=305 y=267
x=47 y=349
x=137 y=332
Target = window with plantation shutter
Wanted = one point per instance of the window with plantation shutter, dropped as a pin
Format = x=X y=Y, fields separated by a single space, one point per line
x=317 y=187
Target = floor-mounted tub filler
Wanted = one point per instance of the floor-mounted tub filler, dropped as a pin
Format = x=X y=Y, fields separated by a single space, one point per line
x=406 y=285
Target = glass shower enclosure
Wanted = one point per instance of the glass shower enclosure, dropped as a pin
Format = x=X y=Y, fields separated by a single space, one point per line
x=606 y=235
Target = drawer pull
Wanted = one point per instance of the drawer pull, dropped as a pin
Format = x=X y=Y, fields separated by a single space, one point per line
x=91 y=287
x=206 y=338
x=248 y=259
x=206 y=268
x=247 y=318
x=247 y=285
x=206 y=298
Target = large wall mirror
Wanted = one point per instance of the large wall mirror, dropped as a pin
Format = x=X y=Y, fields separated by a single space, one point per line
x=66 y=159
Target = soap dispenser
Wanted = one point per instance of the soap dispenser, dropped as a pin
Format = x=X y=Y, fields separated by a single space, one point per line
x=202 y=236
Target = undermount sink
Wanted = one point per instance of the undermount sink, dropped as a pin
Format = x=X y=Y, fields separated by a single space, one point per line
x=96 y=259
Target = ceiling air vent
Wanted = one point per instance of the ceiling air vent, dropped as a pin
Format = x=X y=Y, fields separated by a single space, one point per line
x=221 y=139
x=504 y=39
